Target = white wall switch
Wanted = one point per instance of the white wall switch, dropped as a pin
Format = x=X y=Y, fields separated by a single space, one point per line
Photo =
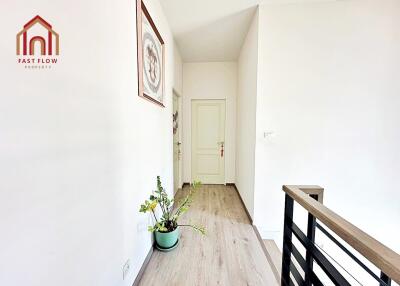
x=125 y=269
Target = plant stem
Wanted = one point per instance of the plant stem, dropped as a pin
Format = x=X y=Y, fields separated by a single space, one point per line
x=161 y=202
x=192 y=226
x=154 y=216
x=178 y=211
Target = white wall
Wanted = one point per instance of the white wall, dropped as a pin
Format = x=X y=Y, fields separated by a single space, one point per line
x=246 y=116
x=213 y=80
x=79 y=149
x=330 y=77
x=178 y=88
x=178 y=70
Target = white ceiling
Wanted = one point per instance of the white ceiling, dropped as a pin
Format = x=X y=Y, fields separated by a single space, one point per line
x=212 y=30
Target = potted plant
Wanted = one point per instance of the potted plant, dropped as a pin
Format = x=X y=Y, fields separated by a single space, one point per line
x=166 y=226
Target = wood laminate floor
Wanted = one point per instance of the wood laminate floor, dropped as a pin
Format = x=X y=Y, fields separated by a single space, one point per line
x=230 y=253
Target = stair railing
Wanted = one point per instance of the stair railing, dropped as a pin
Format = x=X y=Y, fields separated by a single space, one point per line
x=311 y=199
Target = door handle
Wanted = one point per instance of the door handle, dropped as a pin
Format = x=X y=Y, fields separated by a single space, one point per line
x=178 y=144
x=222 y=148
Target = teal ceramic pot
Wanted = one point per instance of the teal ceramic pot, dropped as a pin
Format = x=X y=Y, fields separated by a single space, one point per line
x=167 y=239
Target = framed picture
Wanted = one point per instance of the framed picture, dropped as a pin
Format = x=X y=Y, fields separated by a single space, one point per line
x=150 y=57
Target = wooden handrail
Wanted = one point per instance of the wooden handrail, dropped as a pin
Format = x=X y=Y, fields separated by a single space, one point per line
x=380 y=255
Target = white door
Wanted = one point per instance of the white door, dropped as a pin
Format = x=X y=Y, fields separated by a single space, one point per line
x=208 y=140
x=177 y=143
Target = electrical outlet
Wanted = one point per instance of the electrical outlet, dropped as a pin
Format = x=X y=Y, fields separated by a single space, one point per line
x=125 y=269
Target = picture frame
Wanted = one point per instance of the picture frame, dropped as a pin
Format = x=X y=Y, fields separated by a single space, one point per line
x=150 y=57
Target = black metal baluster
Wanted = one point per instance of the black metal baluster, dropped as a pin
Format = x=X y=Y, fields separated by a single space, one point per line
x=385 y=279
x=287 y=241
x=311 y=236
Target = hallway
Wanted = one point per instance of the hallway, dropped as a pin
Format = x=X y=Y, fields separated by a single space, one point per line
x=229 y=254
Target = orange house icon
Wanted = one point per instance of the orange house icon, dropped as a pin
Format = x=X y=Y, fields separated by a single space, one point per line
x=44 y=49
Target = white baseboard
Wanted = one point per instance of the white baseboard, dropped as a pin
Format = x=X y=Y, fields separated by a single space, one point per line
x=275 y=235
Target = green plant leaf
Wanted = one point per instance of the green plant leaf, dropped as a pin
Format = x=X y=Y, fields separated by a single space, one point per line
x=169 y=218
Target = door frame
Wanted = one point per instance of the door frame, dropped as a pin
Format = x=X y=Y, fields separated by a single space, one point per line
x=191 y=134
x=179 y=108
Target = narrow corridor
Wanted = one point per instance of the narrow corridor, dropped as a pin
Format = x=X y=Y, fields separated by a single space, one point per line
x=229 y=254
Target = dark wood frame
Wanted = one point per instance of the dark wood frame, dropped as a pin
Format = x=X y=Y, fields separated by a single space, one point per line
x=140 y=11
